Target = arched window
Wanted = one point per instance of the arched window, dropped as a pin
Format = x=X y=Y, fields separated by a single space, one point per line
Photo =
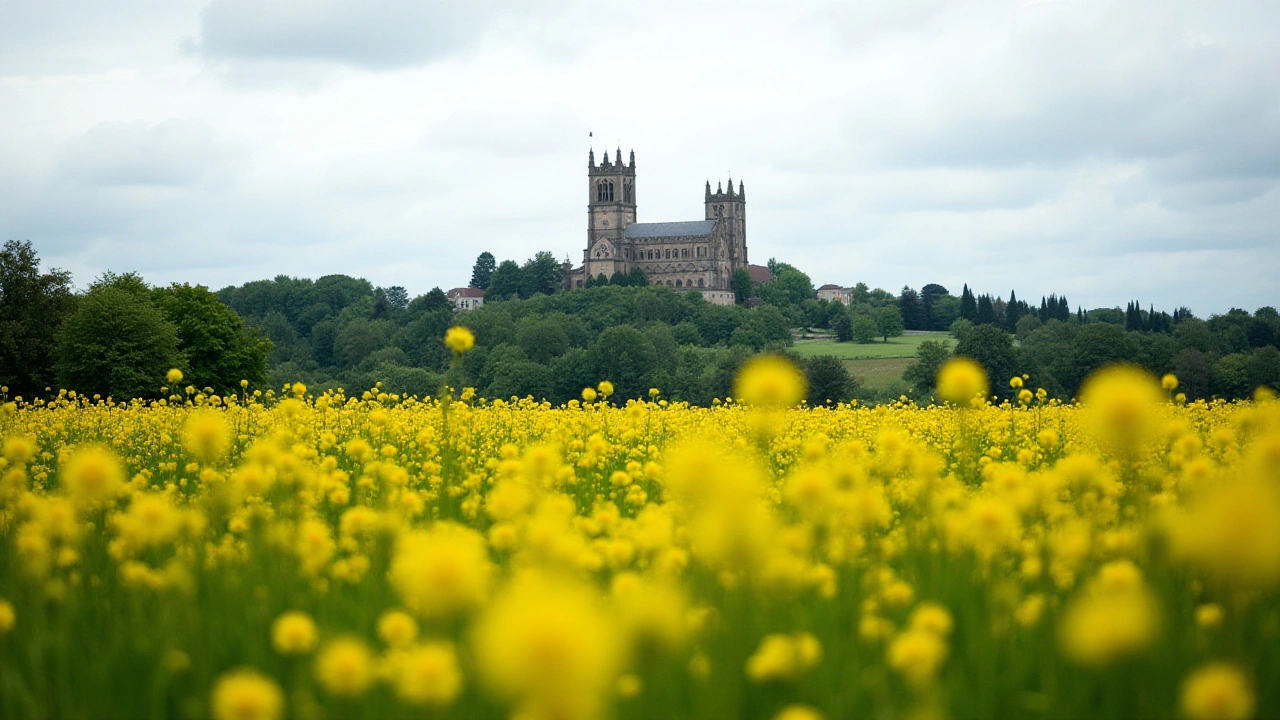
x=668 y=283
x=700 y=282
x=627 y=193
x=679 y=283
x=604 y=191
x=650 y=255
x=684 y=252
x=668 y=254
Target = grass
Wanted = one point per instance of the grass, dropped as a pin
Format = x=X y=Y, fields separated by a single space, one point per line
x=899 y=347
x=878 y=373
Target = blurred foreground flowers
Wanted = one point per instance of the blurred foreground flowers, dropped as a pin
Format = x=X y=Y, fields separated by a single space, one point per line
x=333 y=556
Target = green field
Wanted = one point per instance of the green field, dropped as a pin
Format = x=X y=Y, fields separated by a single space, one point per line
x=899 y=347
x=878 y=373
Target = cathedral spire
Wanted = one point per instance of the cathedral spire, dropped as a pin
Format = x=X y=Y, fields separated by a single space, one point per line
x=730 y=186
x=633 y=158
x=719 y=187
x=708 y=191
x=591 y=158
x=619 y=157
x=742 y=193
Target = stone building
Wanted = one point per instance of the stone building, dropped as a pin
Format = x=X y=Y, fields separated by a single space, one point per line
x=696 y=255
x=466 y=298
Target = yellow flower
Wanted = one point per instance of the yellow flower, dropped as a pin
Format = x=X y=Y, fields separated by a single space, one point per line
x=294 y=633
x=917 y=655
x=174 y=376
x=931 y=617
x=459 y=339
x=1217 y=691
x=1117 y=617
x=798 y=712
x=298 y=389
x=588 y=394
x=206 y=436
x=397 y=628
x=428 y=675
x=92 y=476
x=7 y=617
x=784 y=657
x=246 y=694
x=1122 y=404
x=548 y=645
x=19 y=449
x=605 y=387
x=443 y=571
x=961 y=380
x=771 y=382
x=345 y=668
x=1169 y=382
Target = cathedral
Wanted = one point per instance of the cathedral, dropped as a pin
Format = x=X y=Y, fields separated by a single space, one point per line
x=696 y=255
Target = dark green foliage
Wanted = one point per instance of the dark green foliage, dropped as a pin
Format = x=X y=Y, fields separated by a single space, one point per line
x=829 y=380
x=922 y=373
x=993 y=349
x=218 y=350
x=117 y=344
x=483 y=270
x=33 y=306
x=741 y=285
x=843 y=328
x=911 y=310
x=864 y=329
x=505 y=281
x=888 y=322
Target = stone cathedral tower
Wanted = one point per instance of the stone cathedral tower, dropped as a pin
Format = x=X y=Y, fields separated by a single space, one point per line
x=731 y=209
x=611 y=205
x=695 y=255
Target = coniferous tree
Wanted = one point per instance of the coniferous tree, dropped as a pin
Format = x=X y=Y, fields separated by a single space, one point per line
x=986 y=312
x=1012 y=312
x=483 y=270
x=968 y=305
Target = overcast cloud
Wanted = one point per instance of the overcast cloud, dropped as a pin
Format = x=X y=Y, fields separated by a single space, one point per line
x=1106 y=150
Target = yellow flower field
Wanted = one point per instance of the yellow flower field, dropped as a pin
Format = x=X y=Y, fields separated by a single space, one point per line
x=378 y=556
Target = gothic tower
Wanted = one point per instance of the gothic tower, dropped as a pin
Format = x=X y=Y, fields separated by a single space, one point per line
x=731 y=208
x=611 y=207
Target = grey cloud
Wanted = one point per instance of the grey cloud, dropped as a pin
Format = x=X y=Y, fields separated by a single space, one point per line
x=172 y=153
x=367 y=34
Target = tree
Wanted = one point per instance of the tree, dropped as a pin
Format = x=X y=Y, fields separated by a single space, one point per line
x=741 y=285
x=625 y=357
x=505 y=281
x=911 y=310
x=968 y=305
x=397 y=297
x=117 y=344
x=931 y=354
x=889 y=322
x=993 y=349
x=843 y=328
x=864 y=329
x=33 y=306
x=540 y=274
x=219 y=350
x=483 y=270
x=829 y=380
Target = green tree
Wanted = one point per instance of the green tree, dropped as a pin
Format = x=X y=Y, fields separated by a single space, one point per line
x=843 y=327
x=33 y=306
x=829 y=380
x=117 y=344
x=993 y=349
x=505 y=281
x=741 y=285
x=922 y=374
x=864 y=329
x=540 y=274
x=889 y=322
x=219 y=350
x=482 y=271
x=624 y=356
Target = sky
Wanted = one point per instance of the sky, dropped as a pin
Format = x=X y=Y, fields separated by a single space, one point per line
x=1108 y=150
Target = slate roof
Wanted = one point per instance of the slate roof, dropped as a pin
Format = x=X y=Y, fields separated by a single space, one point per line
x=464 y=292
x=669 y=229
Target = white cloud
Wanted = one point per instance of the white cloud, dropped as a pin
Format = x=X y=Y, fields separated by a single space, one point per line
x=1103 y=150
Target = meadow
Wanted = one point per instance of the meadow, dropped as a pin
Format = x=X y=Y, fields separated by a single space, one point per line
x=903 y=346
x=273 y=555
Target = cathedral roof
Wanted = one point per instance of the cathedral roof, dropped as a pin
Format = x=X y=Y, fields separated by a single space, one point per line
x=669 y=229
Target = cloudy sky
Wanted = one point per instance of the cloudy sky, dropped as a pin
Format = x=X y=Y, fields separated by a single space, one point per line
x=1105 y=149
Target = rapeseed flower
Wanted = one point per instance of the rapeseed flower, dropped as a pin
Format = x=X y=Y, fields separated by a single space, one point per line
x=459 y=339
x=1217 y=691
x=246 y=694
x=344 y=668
x=961 y=380
x=294 y=633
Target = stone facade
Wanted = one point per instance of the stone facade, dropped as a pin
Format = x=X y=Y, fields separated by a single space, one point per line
x=695 y=255
x=466 y=298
